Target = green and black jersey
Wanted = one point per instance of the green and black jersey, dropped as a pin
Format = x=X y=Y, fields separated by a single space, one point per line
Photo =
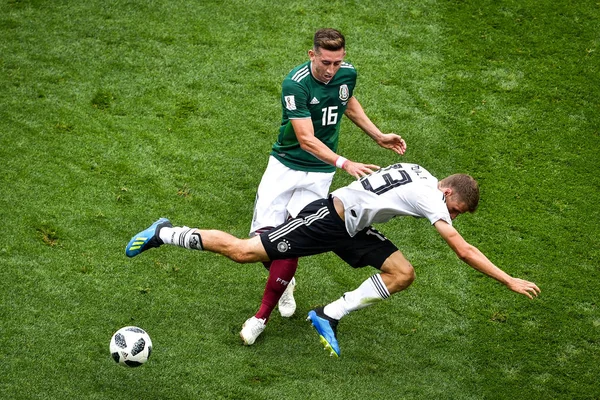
x=303 y=96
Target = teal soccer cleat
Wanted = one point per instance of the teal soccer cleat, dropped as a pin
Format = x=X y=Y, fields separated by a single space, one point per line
x=146 y=239
x=327 y=329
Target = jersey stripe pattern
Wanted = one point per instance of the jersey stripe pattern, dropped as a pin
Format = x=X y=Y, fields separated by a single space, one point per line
x=301 y=74
x=295 y=224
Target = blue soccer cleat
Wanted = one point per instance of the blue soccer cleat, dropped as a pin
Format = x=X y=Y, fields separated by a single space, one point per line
x=146 y=239
x=327 y=329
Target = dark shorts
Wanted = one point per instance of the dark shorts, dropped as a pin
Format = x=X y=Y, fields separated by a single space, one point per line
x=318 y=229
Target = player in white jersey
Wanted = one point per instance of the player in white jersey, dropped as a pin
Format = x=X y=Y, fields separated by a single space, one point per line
x=342 y=224
x=387 y=194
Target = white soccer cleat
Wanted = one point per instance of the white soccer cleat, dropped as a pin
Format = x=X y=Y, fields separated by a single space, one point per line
x=252 y=329
x=287 y=303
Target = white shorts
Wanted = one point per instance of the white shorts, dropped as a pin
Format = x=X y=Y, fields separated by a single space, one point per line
x=283 y=193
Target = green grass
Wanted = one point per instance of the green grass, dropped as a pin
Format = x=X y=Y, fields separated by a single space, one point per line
x=115 y=113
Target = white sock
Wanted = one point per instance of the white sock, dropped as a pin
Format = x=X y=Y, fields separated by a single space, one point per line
x=371 y=291
x=181 y=236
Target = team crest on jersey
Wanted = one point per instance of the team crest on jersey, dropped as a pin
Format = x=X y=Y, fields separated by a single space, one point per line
x=344 y=93
x=290 y=102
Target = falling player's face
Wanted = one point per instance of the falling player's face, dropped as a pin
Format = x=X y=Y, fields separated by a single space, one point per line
x=455 y=207
x=325 y=63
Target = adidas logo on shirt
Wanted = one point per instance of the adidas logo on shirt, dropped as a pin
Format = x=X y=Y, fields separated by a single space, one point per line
x=314 y=101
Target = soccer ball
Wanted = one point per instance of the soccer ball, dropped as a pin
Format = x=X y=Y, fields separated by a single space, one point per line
x=130 y=346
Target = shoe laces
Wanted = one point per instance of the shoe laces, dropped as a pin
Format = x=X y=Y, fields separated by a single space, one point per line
x=257 y=325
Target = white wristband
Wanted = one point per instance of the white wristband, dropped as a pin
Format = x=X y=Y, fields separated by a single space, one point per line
x=340 y=161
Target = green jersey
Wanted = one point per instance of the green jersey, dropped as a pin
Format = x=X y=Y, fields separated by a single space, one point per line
x=302 y=96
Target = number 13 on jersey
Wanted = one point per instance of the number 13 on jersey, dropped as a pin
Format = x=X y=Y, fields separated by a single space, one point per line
x=386 y=179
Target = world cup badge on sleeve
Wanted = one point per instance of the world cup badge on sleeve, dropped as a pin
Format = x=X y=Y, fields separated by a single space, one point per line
x=290 y=103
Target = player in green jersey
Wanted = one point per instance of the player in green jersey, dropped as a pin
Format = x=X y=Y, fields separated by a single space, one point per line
x=314 y=97
x=323 y=105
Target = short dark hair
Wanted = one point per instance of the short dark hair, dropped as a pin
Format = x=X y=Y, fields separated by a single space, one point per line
x=329 y=39
x=466 y=187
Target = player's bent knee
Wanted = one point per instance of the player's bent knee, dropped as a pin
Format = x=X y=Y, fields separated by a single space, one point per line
x=400 y=272
x=408 y=275
x=404 y=275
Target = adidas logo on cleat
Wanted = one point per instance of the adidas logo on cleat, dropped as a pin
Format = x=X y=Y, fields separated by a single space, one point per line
x=139 y=241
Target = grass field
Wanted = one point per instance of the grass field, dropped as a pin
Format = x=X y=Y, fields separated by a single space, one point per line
x=114 y=113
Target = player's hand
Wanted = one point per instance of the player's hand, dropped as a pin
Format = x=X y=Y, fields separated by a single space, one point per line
x=393 y=142
x=358 y=170
x=522 y=286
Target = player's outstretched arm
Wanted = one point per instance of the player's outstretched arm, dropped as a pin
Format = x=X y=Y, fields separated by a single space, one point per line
x=357 y=115
x=311 y=144
x=476 y=259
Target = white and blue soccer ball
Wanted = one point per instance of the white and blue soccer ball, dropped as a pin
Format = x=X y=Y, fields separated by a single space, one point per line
x=130 y=346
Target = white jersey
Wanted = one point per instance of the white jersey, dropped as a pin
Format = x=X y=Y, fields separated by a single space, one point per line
x=398 y=190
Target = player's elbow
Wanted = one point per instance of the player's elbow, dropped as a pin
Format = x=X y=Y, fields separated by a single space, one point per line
x=465 y=253
x=350 y=114
x=308 y=146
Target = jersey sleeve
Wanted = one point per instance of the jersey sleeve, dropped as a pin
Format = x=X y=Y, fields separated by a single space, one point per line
x=433 y=207
x=294 y=99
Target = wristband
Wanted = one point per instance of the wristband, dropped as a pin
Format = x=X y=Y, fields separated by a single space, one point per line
x=340 y=162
